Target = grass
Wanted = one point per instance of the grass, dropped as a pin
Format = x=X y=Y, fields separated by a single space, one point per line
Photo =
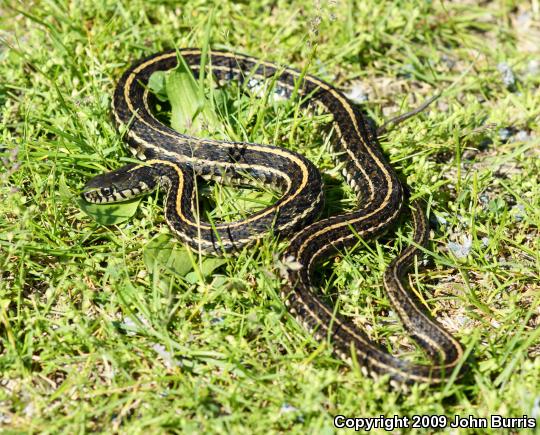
x=97 y=336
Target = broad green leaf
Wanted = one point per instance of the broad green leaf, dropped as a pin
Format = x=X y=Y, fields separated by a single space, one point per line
x=158 y=85
x=189 y=109
x=110 y=214
x=63 y=189
x=191 y=112
x=166 y=252
x=207 y=267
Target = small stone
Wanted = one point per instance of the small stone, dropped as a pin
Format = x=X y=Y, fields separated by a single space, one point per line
x=518 y=211
x=505 y=134
x=461 y=250
x=285 y=408
x=522 y=136
x=507 y=75
x=533 y=67
x=441 y=220
x=357 y=93
x=166 y=356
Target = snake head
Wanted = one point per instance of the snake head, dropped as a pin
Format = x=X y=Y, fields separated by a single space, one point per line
x=120 y=185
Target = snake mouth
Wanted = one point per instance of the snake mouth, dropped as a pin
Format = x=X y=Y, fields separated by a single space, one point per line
x=116 y=186
x=102 y=195
x=110 y=194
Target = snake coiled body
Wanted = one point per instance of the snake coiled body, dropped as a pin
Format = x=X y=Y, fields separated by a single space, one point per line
x=173 y=161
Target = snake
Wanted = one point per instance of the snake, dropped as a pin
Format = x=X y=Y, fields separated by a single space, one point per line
x=173 y=162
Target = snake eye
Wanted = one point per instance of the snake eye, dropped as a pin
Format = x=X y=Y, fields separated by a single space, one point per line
x=106 y=191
